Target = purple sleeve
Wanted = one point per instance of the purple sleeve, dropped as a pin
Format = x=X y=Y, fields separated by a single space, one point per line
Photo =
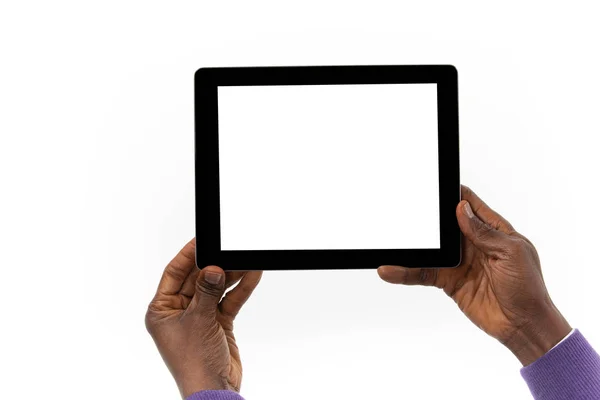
x=215 y=395
x=571 y=371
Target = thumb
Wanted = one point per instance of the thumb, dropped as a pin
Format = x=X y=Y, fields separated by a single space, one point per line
x=210 y=287
x=485 y=237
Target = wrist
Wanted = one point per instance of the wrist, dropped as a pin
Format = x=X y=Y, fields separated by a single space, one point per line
x=533 y=340
x=192 y=384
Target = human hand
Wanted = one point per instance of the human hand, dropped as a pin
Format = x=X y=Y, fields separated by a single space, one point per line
x=193 y=328
x=498 y=285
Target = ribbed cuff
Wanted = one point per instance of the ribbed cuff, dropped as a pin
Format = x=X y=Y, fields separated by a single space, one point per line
x=571 y=371
x=215 y=395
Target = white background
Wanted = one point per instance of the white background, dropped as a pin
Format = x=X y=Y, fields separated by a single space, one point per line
x=329 y=167
x=96 y=189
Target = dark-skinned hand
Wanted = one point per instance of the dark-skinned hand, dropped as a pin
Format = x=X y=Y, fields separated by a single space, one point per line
x=498 y=285
x=192 y=323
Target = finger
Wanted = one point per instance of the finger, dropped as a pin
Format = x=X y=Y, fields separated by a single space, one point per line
x=233 y=277
x=178 y=270
x=409 y=276
x=209 y=289
x=485 y=237
x=484 y=212
x=237 y=297
x=189 y=286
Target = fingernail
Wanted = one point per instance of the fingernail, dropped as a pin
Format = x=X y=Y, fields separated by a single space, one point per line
x=468 y=210
x=212 y=277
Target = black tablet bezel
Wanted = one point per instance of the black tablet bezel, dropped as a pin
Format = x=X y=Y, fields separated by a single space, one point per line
x=208 y=225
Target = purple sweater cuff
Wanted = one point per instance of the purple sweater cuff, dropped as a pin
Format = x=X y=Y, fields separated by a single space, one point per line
x=215 y=395
x=571 y=371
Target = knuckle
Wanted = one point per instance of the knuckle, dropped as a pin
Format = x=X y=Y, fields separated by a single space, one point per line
x=517 y=247
x=150 y=319
x=228 y=310
x=244 y=290
x=522 y=248
x=483 y=232
x=175 y=271
x=466 y=191
x=458 y=285
x=508 y=226
x=208 y=290
x=428 y=276
x=496 y=223
x=453 y=288
x=517 y=235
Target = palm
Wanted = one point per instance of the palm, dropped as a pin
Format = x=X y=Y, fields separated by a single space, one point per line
x=506 y=292
x=475 y=292
x=230 y=364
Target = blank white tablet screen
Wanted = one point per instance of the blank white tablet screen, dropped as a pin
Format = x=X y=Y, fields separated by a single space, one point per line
x=329 y=167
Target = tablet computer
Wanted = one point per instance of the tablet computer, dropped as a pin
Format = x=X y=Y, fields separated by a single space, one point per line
x=327 y=167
